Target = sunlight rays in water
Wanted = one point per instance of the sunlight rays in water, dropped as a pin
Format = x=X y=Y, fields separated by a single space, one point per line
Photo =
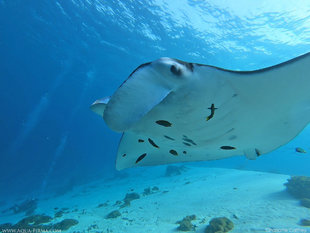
x=90 y=76
x=36 y=114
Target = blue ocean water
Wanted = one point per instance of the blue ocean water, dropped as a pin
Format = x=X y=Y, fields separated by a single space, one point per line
x=57 y=57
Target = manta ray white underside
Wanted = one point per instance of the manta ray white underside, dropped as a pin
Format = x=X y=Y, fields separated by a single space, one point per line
x=173 y=111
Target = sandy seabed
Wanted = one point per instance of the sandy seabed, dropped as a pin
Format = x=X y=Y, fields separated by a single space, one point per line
x=253 y=201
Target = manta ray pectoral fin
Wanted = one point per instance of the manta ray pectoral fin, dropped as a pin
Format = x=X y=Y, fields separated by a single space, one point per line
x=133 y=150
x=138 y=149
x=141 y=92
x=123 y=114
x=99 y=105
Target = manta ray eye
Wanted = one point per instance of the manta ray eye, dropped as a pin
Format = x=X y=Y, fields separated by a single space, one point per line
x=175 y=70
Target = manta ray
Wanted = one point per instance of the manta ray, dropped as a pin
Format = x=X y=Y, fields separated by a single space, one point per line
x=173 y=111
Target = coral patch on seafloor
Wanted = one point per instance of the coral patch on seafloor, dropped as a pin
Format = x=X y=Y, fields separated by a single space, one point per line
x=149 y=191
x=174 y=170
x=305 y=202
x=305 y=222
x=219 y=225
x=186 y=223
x=28 y=207
x=298 y=186
x=65 y=224
x=128 y=198
x=58 y=214
x=38 y=222
x=113 y=214
x=34 y=220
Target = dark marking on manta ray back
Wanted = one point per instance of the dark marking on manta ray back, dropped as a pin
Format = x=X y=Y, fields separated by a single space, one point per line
x=228 y=147
x=152 y=143
x=123 y=155
x=184 y=152
x=140 y=140
x=140 y=157
x=164 y=123
x=258 y=153
x=170 y=138
x=173 y=152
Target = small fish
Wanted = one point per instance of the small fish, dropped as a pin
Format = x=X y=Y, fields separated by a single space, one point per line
x=300 y=150
x=212 y=108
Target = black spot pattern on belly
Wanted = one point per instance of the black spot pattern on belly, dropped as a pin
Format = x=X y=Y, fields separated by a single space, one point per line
x=152 y=143
x=228 y=148
x=164 y=123
x=140 y=140
x=140 y=158
x=184 y=152
x=190 y=141
x=170 y=138
x=186 y=144
x=173 y=152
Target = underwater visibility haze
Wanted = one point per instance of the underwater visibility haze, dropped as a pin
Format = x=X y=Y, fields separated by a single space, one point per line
x=58 y=158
